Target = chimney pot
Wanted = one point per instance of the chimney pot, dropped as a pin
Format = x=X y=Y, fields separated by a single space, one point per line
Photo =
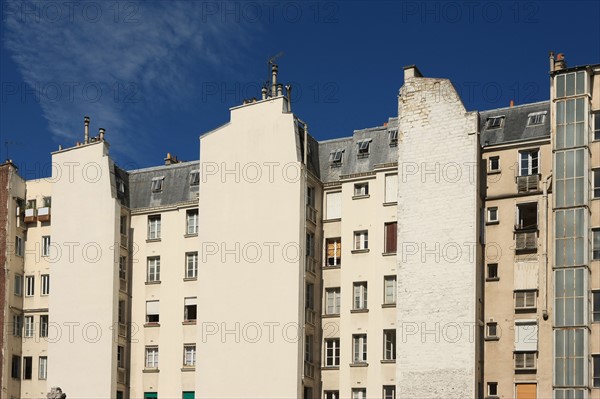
x=274 y=70
x=264 y=93
x=512 y=103
x=86 y=129
x=101 y=132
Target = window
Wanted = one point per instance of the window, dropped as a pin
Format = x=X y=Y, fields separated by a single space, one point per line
x=596 y=125
x=571 y=120
x=28 y=326
x=153 y=269
x=189 y=310
x=43 y=325
x=596 y=186
x=152 y=311
x=569 y=358
x=525 y=360
x=359 y=393
x=390 y=234
x=188 y=395
x=122 y=267
x=29 y=285
x=152 y=357
x=360 y=296
x=157 y=184
x=391 y=188
x=120 y=356
x=45 y=245
x=192 y=221
x=569 y=297
x=536 y=118
x=15 y=369
x=596 y=306
x=596 y=371
x=310 y=196
x=45 y=284
x=310 y=296
x=194 y=177
x=363 y=148
x=527 y=216
x=389 y=344
x=492 y=389
x=18 y=285
x=308 y=348
x=332 y=299
x=389 y=290
x=334 y=251
x=18 y=246
x=526 y=336
x=191 y=265
x=43 y=368
x=310 y=245
x=17 y=325
x=154 y=227
x=361 y=240
x=121 y=186
x=494 y=165
x=495 y=122
x=393 y=137
x=492 y=271
x=27 y=367
x=123 y=225
x=389 y=392
x=569 y=84
x=491 y=330
x=332 y=394
x=332 y=352
x=359 y=347
x=189 y=355
x=361 y=189
x=525 y=299
x=492 y=215
x=335 y=157
x=334 y=205
x=150 y=395
x=121 y=312
x=570 y=228
x=528 y=162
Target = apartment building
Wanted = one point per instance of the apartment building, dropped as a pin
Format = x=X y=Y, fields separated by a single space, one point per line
x=445 y=253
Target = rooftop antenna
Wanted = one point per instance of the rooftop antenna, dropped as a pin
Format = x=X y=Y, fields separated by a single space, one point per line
x=270 y=64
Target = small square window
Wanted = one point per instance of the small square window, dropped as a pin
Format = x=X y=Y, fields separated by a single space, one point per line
x=494 y=165
x=525 y=360
x=492 y=215
x=194 y=177
x=361 y=189
x=492 y=389
x=361 y=240
x=492 y=271
x=491 y=330
x=157 y=184
x=335 y=157
x=495 y=122
x=363 y=148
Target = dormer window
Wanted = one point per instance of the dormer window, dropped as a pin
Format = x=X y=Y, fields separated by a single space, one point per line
x=536 y=118
x=121 y=186
x=495 y=122
x=393 y=138
x=363 y=148
x=335 y=157
x=194 y=177
x=157 y=184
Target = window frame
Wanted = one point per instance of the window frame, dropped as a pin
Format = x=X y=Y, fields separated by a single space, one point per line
x=389 y=344
x=361 y=240
x=27 y=371
x=595 y=380
x=191 y=273
x=153 y=270
x=151 y=357
x=46 y=246
x=189 y=355
x=18 y=246
x=154 y=227
x=157 y=184
x=332 y=345
x=44 y=284
x=495 y=122
x=530 y=156
x=527 y=358
x=336 y=300
x=595 y=306
x=491 y=160
x=28 y=326
x=492 y=385
x=390 y=246
x=153 y=318
x=359 y=349
x=491 y=211
x=488 y=330
x=18 y=288
x=360 y=295
x=29 y=285
x=191 y=228
x=596 y=183
x=187 y=310
x=361 y=190
x=595 y=243
x=489 y=268
x=393 y=279
x=44 y=325
x=337 y=252
x=43 y=370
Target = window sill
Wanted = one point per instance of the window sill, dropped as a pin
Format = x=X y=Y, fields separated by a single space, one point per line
x=388 y=305
x=330 y=316
x=359 y=311
x=190 y=278
x=526 y=371
x=330 y=368
x=390 y=203
x=365 y=364
x=388 y=361
x=331 y=267
x=526 y=310
x=356 y=197
x=492 y=279
x=188 y=368
x=332 y=220
x=189 y=322
x=153 y=240
x=389 y=254
x=491 y=223
x=190 y=235
x=494 y=172
x=150 y=370
x=492 y=338
x=360 y=251
x=152 y=282
x=152 y=325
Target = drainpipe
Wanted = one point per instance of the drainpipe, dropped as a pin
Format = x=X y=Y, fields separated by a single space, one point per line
x=545 y=253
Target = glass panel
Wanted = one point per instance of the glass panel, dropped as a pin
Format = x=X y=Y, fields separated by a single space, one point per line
x=570 y=113
x=580 y=82
x=560 y=86
x=579 y=109
x=560 y=112
x=570 y=84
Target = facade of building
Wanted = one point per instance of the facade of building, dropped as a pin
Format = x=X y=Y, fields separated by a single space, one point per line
x=446 y=253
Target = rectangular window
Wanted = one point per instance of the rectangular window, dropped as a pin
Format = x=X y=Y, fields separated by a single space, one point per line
x=570 y=84
x=17 y=325
x=152 y=357
x=363 y=148
x=123 y=225
x=310 y=295
x=45 y=284
x=310 y=245
x=389 y=392
x=492 y=215
x=150 y=395
x=596 y=371
x=15 y=369
x=154 y=227
x=359 y=348
x=153 y=269
x=192 y=221
x=390 y=234
x=361 y=240
x=45 y=245
x=18 y=284
x=596 y=243
x=389 y=344
x=492 y=389
x=334 y=205
x=491 y=330
x=391 y=188
x=389 y=290
x=157 y=184
x=525 y=360
x=332 y=394
x=495 y=122
x=596 y=125
x=536 y=118
x=27 y=367
x=527 y=216
x=43 y=325
x=361 y=189
x=570 y=187
x=528 y=162
x=310 y=196
x=360 y=296
x=569 y=359
x=359 y=393
x=525 y=299
x=152 y=311
x=28 y=326
x=569 y=234
x=120 y=356
x=188 y=395
x=189 y=311
x=43 y=368
x=29 y=285
x=335 y=157
x=596 y=185
x=494 y=164
x=308 y=348
x=332 y=299
x=596 y=306
x=194 y=177
x=569 y=297
x=18 y=246
x=570 y=123
x=334 y=251
x=492 y=271
x=121 y=312
x=191 y=265
x=526 y=336
x=393 y=137
x=123 y=268
x=189 y=355
x=332 y=352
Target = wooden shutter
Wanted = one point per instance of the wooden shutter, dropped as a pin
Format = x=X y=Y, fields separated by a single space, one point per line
x=390 y=237
x=526 y=391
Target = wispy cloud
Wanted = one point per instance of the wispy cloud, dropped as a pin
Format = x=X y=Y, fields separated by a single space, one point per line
x=114 y=61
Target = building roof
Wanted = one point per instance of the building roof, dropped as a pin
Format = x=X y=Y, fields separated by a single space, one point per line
x=515 y=126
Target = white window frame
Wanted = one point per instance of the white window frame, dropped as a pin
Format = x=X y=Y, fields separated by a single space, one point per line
x=191 y=265
x=45 y=245
x=495 y=122
x=361 y=240
x=493 y=214
x=337 y=252
x=332 y=352
x=18 y=285
x=154 y=227
x=489 y=267
x=43 y=368
x=45 y=284
x=29 y=286
x=191 y=221
x=529 y=156
x=333 y=205
x=156 y=312
x=389 y=344
x=493 y=393
x=153 y=269
x=361 y=189
x=359 y=393
x=490 y=164
x=523 y=358
x=44 y=325
x=359 y=348
x=525 y=296
x=189 y=355
x=332 y=300
x=336 y=157
x=389 y=290
x=17 y=325
x=536 y=118
x=157 y=184
x=28 y=326
x=359 y=296
x=151 y=357
x=18 y=246
x=488 y=329
x=363 y=148
x=194 y=177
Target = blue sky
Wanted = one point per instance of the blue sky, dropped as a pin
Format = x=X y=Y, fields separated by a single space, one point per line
x=158 y=74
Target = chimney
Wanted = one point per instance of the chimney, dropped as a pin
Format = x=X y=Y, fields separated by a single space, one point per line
x=288 y=91
x=264 y=93
x=101 y=133
x=170 y=160
x=273 y=80
x=551 y=61
x=86 y=129
x=279 y=89
x=560 y=62
x=512 y=103
x=411 y=71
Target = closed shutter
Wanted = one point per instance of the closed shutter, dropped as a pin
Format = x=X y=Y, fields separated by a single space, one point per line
x=390 y=237
x=526 y=336
x=190 y=301
x=152 y=307
x=526 y=391
x=189 y=395
x=391 y=188
x=334 y=205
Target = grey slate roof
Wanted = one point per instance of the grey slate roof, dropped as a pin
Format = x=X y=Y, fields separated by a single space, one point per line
x=515 y=126
x=176 y=185
x=380 y=152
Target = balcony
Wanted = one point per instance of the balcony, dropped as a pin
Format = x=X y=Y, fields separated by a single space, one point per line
x=528 y=183
x=309 y=370
x=43 y=214
x=30 y=215
x=311 y=214
x=525 y=240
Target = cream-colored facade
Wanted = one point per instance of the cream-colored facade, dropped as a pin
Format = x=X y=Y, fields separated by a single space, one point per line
x=427 y=257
